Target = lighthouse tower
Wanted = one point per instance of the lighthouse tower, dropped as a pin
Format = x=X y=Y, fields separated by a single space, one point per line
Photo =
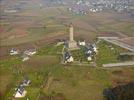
x=72 y=44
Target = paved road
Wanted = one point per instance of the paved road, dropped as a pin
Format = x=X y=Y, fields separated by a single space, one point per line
x=119 y=64
x=119 y=43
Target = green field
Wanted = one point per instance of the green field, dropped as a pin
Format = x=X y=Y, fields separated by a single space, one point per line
x=67 y=82
x=108 y=53
x=51 y=80
x=79 y=55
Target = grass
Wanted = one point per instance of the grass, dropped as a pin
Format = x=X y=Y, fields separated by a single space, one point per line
x=8 y=64
x=49 y=27
x=32 y=93
x=73 y=82
x=50 y=50
x=76 y=85
x=106 y=54
x=79 y=55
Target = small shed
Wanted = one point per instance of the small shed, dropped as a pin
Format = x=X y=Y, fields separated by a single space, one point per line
x=26 y=82
x=25 y=58
x=82 y=43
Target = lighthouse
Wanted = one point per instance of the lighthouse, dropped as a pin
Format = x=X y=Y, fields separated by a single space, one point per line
x=72 y=44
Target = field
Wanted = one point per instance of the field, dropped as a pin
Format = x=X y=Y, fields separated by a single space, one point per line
x=108 y=53
x=51 y=79
x=79 y=55
x=41 y=28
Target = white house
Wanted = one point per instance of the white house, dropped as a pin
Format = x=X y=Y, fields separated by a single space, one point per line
x=14 y=51
x=71 y=59
x=68 y=57
x=89 y=51
x=30 y=52
x=89 y=55
x=94 y=48
x=21 y=92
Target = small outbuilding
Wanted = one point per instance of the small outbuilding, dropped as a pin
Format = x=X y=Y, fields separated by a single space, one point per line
x=26 y=82
x=25 y=58
x=82 y=43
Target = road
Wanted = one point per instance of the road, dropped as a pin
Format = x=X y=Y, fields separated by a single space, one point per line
x=119 y=64
x=119 y=43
